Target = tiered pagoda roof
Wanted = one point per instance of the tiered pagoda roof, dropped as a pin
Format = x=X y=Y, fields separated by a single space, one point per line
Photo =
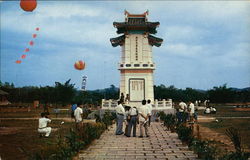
x=152 y=40
x=136 y=24
x=117 y=41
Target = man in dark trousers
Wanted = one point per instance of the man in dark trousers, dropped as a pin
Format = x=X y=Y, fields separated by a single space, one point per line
x=120 y=112
x=133 y=114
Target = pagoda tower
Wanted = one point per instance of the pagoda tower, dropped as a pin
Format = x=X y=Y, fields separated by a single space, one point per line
x=136 y=65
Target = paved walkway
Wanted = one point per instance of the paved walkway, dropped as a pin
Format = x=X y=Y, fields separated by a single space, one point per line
x=161 y=145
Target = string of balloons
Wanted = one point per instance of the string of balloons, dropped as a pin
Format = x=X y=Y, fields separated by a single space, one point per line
x=28 y=6
x=31 y=43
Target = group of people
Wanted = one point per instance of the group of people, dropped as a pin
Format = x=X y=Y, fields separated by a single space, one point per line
x=210 y=110
x=133 y=116
x=187 y=112
x=44 y=130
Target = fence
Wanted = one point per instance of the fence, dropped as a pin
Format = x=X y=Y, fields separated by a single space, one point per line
x=157 y=105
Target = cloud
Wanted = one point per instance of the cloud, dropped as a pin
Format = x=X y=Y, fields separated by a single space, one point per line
x=184 y=50
x=205 y=43
x=182 y=33
x=64 y=22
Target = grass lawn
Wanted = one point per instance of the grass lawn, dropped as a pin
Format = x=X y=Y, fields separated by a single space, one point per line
x=227 y=111
x=13 y=112
x=19 y=138
x=242 y=124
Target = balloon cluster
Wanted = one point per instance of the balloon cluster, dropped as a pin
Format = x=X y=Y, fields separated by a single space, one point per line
x=31 y=43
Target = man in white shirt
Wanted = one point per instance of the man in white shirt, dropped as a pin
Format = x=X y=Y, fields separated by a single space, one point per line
x=78 y=115
x=191 y=111
x=207 y=110
x=133 y=114
x=42 y=126
x=120 y=112
x=182 y=109
x=143 y=119
x=149 y=105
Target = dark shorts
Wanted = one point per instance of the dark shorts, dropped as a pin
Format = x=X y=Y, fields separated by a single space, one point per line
x=72 y=115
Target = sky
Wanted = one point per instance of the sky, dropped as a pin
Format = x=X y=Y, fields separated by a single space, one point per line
x=206 y=43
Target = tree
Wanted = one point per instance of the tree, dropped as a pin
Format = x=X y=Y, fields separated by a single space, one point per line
x=221 y=94
x=64 y=92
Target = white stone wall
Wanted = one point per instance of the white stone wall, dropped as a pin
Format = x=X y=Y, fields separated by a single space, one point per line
x=136 y=50
x=149 y=83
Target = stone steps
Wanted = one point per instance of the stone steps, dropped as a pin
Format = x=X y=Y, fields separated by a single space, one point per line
x=161 y=145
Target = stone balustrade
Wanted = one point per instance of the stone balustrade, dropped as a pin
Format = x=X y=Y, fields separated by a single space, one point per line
x=110 y=104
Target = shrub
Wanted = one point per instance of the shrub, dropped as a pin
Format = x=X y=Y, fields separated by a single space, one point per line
x=235 y=156
x=162 y=115
x=170 y=122
x=108 y=117
x=204 y=149
x=90 y=131
x=235 y=137
x=185 y=134
x=72 y=143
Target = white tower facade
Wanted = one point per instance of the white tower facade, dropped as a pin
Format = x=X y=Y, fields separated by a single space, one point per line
x=136 y=65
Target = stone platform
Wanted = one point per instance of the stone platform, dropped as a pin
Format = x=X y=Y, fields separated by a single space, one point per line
x=161 y=145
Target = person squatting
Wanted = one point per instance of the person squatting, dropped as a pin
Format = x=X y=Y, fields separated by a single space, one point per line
x=42 y=126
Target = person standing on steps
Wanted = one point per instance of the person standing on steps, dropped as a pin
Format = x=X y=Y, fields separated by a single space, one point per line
x=127 y=99
x=133 y=113
x=122 y=98
x=120 y=112
x=149 y=105
x=182 y=112
x=191 y=111
x=143 y=118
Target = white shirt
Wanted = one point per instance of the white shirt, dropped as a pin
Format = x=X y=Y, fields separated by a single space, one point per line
x=207 y=110
x=120 y=109
x=144 y=111
x=43 y=122
x=191 y=106
x=132 y=111
x=149 y=108
x=78 y=114
x=183 y=106
x=196 y=103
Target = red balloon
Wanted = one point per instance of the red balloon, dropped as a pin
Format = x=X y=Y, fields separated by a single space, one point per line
x=23 y=56
x=79 y=65
x=27 y=50
x=34 y=35
x=31 y=43
x=37 y=29
x=18 y=61
x=28 y=5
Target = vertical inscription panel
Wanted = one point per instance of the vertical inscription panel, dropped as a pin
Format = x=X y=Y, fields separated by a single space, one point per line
x=136 y=89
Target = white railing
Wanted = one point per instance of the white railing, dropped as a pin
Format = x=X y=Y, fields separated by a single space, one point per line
x=110 y=104
x=163 y=104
